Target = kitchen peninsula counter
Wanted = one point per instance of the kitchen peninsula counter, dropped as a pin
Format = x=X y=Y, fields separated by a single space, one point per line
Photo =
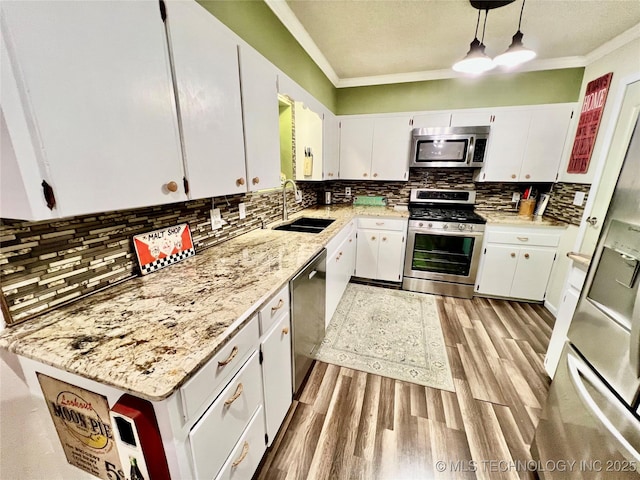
x=150 y=334
x=512 y=218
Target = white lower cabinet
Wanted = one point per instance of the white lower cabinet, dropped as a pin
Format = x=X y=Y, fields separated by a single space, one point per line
x=217 y=432
x=517 y=262
x=380 y=248
x=341 y=259
x=247 y=453
x=277 y=374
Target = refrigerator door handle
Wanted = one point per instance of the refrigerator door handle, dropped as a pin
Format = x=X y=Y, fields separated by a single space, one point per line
x=634 y=347
x=580 y=373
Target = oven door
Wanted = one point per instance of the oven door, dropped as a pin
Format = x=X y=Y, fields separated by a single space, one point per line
x=448 y=256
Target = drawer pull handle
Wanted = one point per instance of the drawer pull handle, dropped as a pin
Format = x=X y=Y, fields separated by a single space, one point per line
x=285 y=330
x=231 y=356
x=523 y=239
x=513 y=255
x=526 y=255
x=277 y=307
x=235 y=396
x=243 y=454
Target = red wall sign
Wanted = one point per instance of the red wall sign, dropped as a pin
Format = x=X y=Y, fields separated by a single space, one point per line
x=592 y=107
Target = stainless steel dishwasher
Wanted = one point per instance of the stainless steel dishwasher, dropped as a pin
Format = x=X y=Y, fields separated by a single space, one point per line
x=308 y=308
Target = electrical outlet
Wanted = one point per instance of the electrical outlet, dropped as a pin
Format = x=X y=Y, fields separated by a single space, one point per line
x=515 y=197
x=216 y=218
x=298 y=195
x=347 y=191
x=242 y=211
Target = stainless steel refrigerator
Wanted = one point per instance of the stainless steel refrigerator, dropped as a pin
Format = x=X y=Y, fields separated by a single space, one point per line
x=592 y=414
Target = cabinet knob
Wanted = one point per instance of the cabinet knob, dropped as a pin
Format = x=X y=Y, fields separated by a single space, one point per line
x=285 y=330
x=240 y=181
x=592 y=221
x=513 y=176
x=373 y=238
x=527 y=176
x=375 y=174
x=350 y=240
x=256 y=180
x=365 y=174
x=526 y=255
x=384 y=239
x=340 y=254
x=513 y=255
x=172 y=186
x=330 y=174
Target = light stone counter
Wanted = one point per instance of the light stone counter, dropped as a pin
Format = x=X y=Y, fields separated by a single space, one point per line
x=506 y=218
x=148 y=335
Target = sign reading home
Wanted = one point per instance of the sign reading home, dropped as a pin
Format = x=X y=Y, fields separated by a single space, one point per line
x=160 y=248
x=83 y=424
x=592 y=107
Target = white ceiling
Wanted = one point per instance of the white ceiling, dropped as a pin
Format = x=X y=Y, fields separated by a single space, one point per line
x=365 y=42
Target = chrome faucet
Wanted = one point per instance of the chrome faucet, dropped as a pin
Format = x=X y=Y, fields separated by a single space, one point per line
x=285 y=214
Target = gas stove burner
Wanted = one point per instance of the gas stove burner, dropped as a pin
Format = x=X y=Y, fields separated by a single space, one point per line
x=444 y=206
x=439 y=214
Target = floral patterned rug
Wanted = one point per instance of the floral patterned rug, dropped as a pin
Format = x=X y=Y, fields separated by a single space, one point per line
x=393 y=333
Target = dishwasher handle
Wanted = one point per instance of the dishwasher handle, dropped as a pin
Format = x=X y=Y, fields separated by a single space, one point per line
x=313 y=274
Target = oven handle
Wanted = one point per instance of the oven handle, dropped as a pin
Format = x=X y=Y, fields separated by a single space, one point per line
x=449 y=233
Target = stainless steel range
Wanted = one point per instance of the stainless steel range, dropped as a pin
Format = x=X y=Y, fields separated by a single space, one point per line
x=443 y=243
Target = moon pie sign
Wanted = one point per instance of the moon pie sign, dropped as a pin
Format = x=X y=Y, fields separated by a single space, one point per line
x=84 y=428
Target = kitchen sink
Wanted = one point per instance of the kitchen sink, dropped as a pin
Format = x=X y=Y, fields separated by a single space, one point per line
x=306 y=225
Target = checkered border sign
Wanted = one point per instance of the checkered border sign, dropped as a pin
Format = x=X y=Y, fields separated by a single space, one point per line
x=163 y=262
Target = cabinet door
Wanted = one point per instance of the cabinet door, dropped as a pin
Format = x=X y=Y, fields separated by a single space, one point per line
x=208 y=83
x=356 y=144
x=471 y=119
x=276 y=372
x=261 y=119
x=308 y=143
x=498 y=268
x=532 y=273
x=390 y=256
x=507 y=143
x=430 y=120
x=92 y=85
x=391 y=145
x=545 y=143
x=331 y=147
x=367 y=253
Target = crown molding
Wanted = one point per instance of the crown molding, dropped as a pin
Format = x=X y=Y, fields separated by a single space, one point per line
x=534 y=65
x=291 y=23
x=616 y=42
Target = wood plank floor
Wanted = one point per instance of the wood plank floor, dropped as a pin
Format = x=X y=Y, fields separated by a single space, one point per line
x=347 y=424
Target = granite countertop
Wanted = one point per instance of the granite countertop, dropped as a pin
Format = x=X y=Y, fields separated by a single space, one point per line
x=512 y=218
x=148 y=335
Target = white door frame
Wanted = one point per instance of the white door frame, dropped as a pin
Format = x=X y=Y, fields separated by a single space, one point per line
x=600 y=166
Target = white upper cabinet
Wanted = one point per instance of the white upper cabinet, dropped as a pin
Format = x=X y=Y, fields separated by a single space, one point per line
x=430 y=120
x=471 y=118
x=308 y=143
x=259 y=80
x=88 y=106
x=375 y=148
x=356 y=145
x=331 y=147
x=205 y=61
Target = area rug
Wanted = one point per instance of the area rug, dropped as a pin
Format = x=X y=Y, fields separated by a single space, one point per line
x=392 y=333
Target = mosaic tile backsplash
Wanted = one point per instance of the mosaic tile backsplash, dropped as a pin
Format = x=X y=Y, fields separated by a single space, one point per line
x=45 y=264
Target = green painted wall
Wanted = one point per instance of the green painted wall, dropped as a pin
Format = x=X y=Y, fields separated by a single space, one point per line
x=254 y=22
x=529 y=88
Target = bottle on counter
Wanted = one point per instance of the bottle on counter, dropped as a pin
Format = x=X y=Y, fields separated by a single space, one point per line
x=135 y=474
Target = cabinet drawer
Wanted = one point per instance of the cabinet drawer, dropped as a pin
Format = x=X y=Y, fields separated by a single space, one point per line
x=216 y=433
x=247 y=453
x=274 y=309
x=339 y=238
x=378 y=223
x=525 y=237
x=210 y=379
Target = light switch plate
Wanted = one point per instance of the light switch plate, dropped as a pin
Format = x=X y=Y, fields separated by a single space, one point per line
x=515 y=197
x=216 y=219
x=578 y=199
x=242 y=211
x=347 y=191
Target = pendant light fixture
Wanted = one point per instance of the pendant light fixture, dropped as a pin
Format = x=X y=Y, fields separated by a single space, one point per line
x=517 y=53
x=476 y=61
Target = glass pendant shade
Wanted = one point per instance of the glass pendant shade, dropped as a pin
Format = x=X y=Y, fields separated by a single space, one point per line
x=516 y=54
x=476 y=61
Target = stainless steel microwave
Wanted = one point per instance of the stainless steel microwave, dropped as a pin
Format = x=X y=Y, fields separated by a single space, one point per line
x=449 y=147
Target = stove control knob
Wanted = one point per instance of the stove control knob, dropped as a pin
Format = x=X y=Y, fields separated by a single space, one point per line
x=470 y=227
x=420 y=224
x=430 y=225
x=446 y=226
x=461 y=226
